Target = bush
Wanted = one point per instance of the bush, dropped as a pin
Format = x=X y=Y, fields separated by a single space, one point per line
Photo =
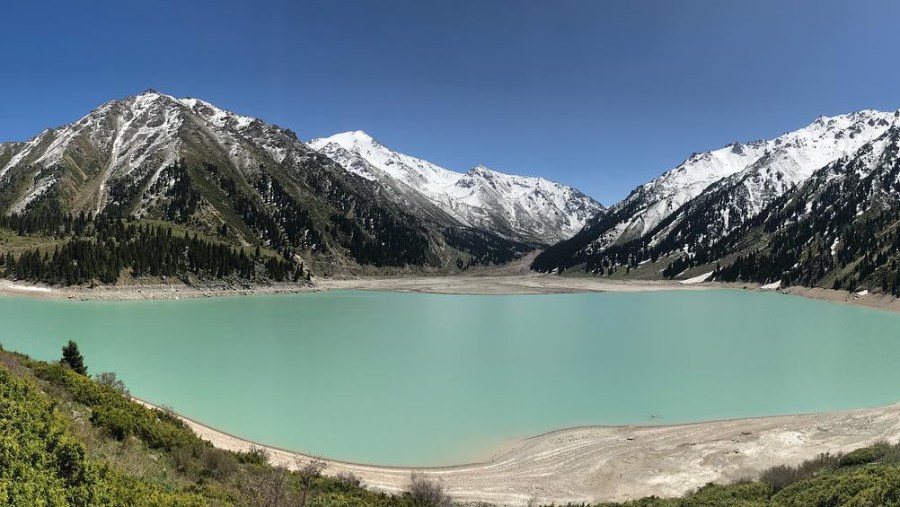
x=427 y=493
x=42 y=463
x=782 y=476
x=865 y=455
x=116 y=414
x=348 y=480
x=255 y=456
x=108 y=378
x=203 y=460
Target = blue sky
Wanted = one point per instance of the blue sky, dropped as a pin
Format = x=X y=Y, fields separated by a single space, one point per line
x=599 y=95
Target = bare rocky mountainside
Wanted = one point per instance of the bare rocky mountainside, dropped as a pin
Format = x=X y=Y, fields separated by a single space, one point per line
x=817 y=207
x=152 y=159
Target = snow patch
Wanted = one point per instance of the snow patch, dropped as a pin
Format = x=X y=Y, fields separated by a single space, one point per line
x=697 y=279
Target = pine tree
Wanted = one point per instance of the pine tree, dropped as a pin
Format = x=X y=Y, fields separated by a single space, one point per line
x=72 y=357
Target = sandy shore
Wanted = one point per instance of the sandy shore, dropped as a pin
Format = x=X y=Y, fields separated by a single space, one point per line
x=527 y=283
x=530 y=283
x=595 y=464
x=139 y=292
x=519 y=282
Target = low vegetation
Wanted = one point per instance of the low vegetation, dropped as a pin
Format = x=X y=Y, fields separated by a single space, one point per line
x=68 y=439
x=107 y=248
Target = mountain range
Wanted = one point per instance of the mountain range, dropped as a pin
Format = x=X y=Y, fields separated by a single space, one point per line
x=814 y=207
x=341 y=203
x=817 y=206
x=518 y=207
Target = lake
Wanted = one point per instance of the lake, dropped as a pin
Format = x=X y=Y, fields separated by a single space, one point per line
x=425 y=379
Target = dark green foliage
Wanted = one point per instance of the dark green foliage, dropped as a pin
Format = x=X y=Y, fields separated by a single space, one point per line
x=72 y=358
x=780 y=477
x=877 y=485
x=113 y=245
x=485 y=249
x=117 y=415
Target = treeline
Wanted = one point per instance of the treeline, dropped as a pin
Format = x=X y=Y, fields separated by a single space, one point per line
x=103 y=249
x=484 y=249
x=369 y=233
x=48 y=221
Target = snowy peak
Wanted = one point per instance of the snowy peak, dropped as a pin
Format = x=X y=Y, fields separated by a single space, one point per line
x=762 y=169
x=519 y=207
x=135 y=138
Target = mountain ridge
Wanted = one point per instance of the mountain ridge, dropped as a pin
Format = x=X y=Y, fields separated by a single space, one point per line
x=836 y=227
x=234 y=179
x=524 y=208
x=712 y=193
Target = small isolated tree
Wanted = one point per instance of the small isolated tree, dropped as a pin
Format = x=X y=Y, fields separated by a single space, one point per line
x=307 y=475
x=269 y=487
x=348 y=479
x=426 y=493
x=72 y=358
x=110 y=379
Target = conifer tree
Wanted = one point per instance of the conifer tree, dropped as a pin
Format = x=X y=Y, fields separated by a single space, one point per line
x=72 y=357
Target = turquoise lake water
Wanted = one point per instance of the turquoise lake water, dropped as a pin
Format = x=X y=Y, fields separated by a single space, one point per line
x=423 y=379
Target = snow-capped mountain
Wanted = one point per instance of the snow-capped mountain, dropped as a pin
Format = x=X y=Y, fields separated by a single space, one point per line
x=154 y=156
x=711 y=194
x=755 y=173
x=136 y=138
x=518 y=207
x=786 y=162
x=229 y=176
x=838 y=229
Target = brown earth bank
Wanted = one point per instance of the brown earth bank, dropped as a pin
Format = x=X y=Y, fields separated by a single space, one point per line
x=594 y=464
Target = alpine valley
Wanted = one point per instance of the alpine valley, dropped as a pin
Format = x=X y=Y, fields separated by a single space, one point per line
x=819 y=206
x=153 y=187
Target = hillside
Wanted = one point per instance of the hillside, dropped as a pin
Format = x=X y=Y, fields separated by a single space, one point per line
x=73 y=440
x=831 y=226
x=528 y=209
x=189 y=169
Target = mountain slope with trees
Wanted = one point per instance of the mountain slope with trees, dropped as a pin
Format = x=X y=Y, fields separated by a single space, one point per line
x=711 y=195
x=837 y=228
x=151 y=185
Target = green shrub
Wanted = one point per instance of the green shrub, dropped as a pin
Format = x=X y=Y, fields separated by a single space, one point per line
x=864 y=456
x=116 y=414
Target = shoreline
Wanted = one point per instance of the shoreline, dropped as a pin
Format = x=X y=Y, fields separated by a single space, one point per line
x=479 y=284
x=586 y=464
x=146 y=292
x=616 y=463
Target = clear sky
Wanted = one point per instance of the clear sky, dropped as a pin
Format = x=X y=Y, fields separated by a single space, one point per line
x=600 y=95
